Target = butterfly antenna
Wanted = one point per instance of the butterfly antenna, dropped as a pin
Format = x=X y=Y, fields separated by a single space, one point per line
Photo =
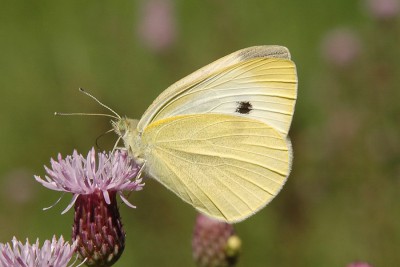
x=85 y=114
x=98 y=101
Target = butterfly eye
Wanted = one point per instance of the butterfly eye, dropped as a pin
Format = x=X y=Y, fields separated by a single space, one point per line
x=123 y=128
x=119 y=127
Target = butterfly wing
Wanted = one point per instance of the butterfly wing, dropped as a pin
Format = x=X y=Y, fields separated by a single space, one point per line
x=257 y=82
x=227 y=167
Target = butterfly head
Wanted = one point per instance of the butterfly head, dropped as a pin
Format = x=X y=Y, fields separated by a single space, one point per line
x=126 y=129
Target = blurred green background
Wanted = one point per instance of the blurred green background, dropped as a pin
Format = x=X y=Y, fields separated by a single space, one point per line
x=341 y=202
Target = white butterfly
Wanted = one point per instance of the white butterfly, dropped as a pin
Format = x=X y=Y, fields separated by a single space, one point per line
x=218 y=138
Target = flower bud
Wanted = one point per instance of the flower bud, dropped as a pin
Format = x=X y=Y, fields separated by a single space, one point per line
x=214 y=243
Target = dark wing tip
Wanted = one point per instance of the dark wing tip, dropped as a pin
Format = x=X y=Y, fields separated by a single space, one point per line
x=266 y=51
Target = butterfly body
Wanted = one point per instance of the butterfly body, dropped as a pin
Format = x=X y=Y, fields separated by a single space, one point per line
x=218 y=138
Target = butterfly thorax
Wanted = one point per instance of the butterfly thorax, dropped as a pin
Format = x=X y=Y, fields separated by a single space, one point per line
x=126 y=129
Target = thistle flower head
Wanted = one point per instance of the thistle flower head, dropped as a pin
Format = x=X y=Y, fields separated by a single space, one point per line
x=214 y=243
x=97 y=224
x=55 y=253
x=82 y=176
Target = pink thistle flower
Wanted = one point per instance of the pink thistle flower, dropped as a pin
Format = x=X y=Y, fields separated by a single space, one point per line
x=55 y=253
x=97 y=222
x=214 y=243
x=81 y=176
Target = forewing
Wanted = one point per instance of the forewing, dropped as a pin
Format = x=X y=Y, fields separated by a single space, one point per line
x=227 y=167
x=257 y=82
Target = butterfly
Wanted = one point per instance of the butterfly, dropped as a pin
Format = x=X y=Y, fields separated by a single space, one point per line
x=218 y=138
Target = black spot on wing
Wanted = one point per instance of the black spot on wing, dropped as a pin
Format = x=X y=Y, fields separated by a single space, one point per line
x=244 y=107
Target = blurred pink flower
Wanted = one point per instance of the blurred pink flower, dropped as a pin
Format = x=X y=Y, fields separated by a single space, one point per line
x=341 y=47
x=383 y=9
x=18 y=180
x=157 y=27
x=359 y=264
